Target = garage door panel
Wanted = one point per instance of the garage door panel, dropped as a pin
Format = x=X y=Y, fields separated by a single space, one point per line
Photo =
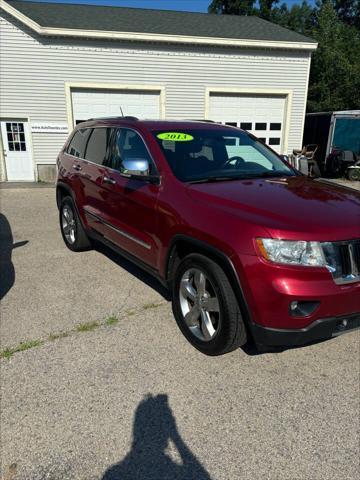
x=94 y=103
x=255 y=113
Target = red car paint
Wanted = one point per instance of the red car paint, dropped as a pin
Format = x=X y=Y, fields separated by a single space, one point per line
x=228 y=216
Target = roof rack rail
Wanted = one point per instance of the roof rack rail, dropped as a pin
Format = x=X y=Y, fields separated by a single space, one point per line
x=202 y=120
x=127 y=117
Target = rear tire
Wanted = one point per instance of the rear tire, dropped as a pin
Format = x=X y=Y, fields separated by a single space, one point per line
x=205 y=306
x=72 y=231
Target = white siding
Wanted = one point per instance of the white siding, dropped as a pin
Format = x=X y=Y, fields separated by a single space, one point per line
x=34 y=71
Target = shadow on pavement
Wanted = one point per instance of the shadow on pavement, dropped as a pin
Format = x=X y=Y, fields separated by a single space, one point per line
x=154 y=426
x=252 y=350
x=7 y=271
x=137 y=272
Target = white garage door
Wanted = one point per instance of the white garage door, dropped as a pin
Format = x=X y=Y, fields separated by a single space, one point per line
x=262 y=115
x=102 y=103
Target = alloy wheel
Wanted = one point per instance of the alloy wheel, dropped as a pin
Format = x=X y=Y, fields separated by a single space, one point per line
x=68 y=224
x=199 y=304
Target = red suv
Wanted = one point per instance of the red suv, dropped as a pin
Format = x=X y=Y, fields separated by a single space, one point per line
x=248 y=246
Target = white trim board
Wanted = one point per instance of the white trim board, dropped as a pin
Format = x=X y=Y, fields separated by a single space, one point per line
x=153 y=37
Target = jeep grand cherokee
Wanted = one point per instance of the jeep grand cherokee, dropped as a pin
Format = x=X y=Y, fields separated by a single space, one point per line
x=248 y=246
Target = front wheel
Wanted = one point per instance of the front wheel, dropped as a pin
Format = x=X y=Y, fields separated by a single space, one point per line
x=205 y=307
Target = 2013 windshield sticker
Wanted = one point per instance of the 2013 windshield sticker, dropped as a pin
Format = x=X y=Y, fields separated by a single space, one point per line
x=175 y=136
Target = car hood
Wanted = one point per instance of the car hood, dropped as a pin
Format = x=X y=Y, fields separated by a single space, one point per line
x=292 y=207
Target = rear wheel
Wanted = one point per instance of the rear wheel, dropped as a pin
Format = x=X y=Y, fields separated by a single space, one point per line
x=71 y=227
x=205 y=307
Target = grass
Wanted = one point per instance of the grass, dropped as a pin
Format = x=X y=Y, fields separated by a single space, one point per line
x=9 y=352
x=82 y=327
x=87 y=326
x=112 y=320
x=147 y=306
x=56 y=336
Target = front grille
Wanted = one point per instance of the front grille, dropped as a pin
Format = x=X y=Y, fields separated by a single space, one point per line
x=343 y=260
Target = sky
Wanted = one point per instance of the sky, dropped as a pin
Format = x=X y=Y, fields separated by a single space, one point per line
x=184 y=5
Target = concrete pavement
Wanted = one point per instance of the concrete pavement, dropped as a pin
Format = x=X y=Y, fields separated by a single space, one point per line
x=132 y=399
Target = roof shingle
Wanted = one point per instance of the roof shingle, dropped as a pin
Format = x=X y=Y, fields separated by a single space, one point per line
x=163 y=22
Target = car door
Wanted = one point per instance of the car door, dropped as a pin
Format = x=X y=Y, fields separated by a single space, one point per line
x=91 y=176
x=130 y=216
x=72 y=163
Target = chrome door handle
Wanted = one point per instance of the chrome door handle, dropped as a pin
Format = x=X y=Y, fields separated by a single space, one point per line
x=76 y=167
x=109 y=180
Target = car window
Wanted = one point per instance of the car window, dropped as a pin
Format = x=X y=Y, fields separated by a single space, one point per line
x=127 y=144
x=236 y=148
x=196 y=155
x=97 y=145
x=78 y=143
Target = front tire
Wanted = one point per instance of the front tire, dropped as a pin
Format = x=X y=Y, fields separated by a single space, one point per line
x=205 y=306
x=72 y=231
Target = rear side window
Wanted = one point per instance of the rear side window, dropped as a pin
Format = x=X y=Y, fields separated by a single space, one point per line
x=78 y=143
x=97 y=145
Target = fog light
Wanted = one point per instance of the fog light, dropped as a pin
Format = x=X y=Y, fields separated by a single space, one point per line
x=341 y=325
x=293 y=306
x=302 y=309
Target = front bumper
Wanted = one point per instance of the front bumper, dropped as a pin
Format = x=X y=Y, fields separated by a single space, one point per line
x=270 y=289
x=318 y=330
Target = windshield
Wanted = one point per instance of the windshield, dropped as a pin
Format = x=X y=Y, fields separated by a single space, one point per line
x=215 y=155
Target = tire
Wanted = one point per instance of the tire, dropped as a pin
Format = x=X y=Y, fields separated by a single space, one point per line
x=72 y=231
x=214 y=302
x=353 y=174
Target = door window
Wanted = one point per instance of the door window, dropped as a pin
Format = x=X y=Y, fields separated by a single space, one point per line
x=128 y=144
x=15 y=136
x=78 y=143
x=97 y=145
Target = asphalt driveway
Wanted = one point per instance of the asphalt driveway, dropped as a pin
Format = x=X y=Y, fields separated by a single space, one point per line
x=98 y=383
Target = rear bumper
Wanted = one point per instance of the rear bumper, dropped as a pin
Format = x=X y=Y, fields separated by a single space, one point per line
x=318 y=330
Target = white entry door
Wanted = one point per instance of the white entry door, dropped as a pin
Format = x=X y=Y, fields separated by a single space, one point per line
x=17 y=150
x=261 y=115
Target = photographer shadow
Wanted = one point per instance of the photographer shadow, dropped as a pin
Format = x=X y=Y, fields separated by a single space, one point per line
x=154 y=427
x=7 y=245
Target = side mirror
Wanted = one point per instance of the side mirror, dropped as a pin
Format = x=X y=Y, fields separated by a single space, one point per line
x=139 y=169
x=135 y=167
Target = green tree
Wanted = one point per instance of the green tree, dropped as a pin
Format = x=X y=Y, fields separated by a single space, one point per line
x=300 y=17
x=335 y=24
x=232 y=7
x=265 y=8
x=335 y=72
x=348 y=11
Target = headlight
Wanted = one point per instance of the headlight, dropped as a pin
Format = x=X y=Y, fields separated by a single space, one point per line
x=292 y=252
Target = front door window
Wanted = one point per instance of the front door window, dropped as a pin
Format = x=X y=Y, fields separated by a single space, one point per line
x=16 y=136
